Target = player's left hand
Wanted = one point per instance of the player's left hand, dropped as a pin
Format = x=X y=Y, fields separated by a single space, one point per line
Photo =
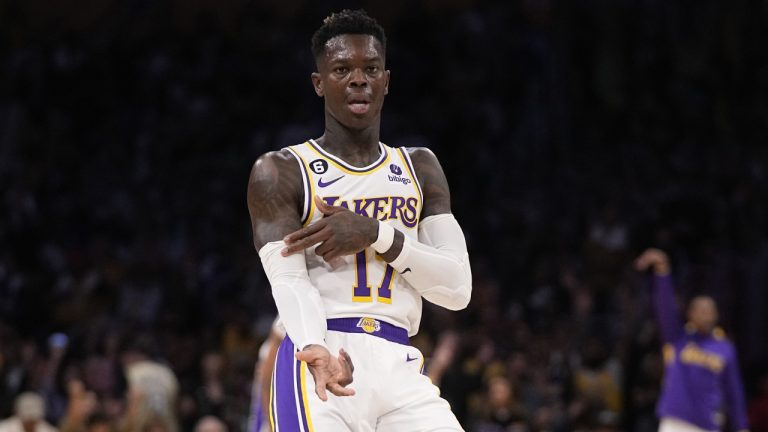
x=330 y=373
x=341 y=232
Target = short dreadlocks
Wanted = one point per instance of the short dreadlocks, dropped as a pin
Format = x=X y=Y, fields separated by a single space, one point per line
x=346 y=22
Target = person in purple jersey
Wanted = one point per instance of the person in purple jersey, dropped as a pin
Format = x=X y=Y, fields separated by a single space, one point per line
x=701 y=380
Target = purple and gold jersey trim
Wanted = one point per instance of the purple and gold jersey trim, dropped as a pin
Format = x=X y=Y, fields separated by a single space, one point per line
x=288 y=407
x=370 y=326
x=409 y=165
x=347 y=168
x=309 y=190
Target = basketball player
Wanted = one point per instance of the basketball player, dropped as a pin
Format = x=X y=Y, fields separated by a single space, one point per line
x=702 y=371
x=352 y=235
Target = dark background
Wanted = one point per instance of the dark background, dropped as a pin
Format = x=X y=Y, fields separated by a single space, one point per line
x=573 y=134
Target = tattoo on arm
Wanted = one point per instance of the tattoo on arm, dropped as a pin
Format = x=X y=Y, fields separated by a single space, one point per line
x=434 y=185
x=274 y=197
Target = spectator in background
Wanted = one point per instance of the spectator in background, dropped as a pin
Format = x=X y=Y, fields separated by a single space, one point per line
x=152 y=392
x=211 y=394
x=17 y=363
x=443 y=356
x=29 y=415
x=702 y=370
x=81 y=404
x=48 y=373
x=597 y=385
x=758 y=408
x=500 y=411
x=210 y=424
x=99 y=422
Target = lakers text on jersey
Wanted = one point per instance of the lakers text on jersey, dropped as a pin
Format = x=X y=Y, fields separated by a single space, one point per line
x=386 y=190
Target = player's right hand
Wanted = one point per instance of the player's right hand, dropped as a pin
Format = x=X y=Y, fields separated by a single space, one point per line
x=330 y=373
x=653 y=258
x=340 y=232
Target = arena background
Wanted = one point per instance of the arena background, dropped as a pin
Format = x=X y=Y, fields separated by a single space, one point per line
x=574 y=134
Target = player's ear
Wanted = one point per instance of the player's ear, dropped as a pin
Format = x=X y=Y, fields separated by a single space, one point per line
x=317 y=83
x=386 y=82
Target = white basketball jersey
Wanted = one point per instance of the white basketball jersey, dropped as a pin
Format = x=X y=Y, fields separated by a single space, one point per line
x=387 y=190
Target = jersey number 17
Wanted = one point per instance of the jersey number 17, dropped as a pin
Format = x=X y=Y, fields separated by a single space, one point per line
x=361 y=291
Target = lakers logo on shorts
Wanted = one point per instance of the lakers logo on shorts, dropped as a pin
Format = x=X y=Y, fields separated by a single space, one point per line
x=369 y=325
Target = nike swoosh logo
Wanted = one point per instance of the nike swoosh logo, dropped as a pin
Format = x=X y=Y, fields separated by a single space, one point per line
x=323 y=184
x=409 y=359
x=406 y=270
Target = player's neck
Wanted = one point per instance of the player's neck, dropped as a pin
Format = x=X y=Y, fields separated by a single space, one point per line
x=358 y=147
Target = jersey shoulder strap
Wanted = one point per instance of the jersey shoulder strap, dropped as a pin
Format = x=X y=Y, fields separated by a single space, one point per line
x=307 y=183
x=403 y=155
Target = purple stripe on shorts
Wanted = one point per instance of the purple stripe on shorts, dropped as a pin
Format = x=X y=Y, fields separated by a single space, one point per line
x=284 y=391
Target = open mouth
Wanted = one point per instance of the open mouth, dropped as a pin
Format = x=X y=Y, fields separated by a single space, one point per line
x=359 y=105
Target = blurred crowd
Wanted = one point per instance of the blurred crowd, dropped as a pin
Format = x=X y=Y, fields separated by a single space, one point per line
x=573 y=134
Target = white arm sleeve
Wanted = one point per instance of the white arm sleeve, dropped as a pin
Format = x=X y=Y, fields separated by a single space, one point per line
x=437 y=265
x=298 y=301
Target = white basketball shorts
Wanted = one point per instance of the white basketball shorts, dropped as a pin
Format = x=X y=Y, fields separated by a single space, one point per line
x=671 y=424
x=392 y=393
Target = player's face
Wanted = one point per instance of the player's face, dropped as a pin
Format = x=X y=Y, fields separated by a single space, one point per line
x=702 y=313
x=352 y=79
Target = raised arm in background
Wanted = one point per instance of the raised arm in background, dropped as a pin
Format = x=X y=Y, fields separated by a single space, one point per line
x=663 y=293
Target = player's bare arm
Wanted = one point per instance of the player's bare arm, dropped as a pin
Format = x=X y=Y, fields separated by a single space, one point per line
x=274 y=195
x=437 y=195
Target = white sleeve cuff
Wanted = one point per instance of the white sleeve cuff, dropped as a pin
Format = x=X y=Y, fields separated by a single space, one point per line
x=385 y=238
